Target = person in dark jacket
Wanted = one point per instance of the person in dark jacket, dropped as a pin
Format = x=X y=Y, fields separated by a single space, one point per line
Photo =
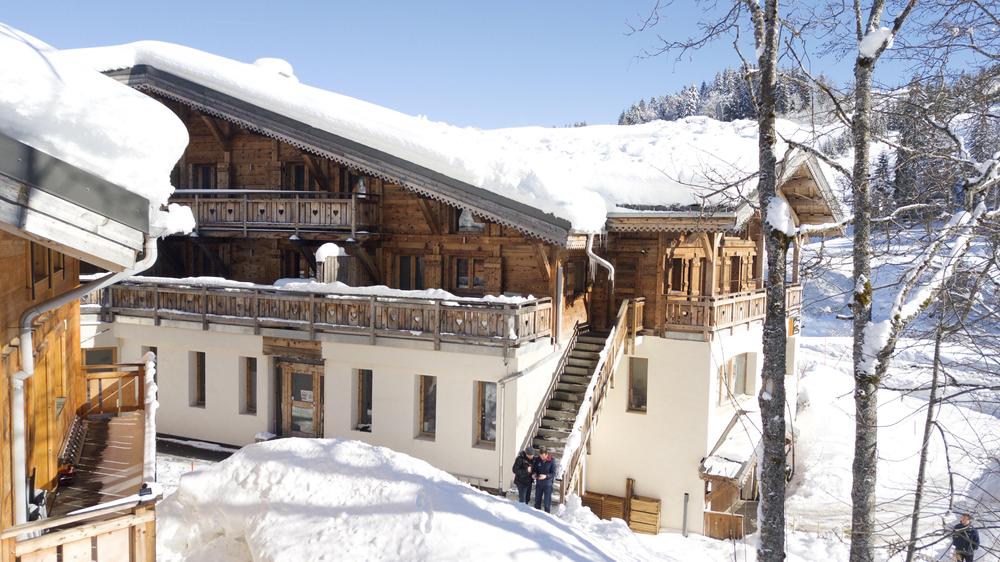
x=545 y=476
x=965 y=539
x=523 y=474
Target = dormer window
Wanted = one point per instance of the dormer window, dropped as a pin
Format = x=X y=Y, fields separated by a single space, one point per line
x=465 y=221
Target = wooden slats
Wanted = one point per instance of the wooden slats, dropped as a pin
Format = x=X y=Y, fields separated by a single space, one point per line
x=723 y=526
x=254 y=210
x=484 y=323
x=704 y=313
x=124 y=537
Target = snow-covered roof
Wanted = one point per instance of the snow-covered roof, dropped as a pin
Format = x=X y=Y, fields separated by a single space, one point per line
x=575 y=174
x=736 y=449
x=53 y=104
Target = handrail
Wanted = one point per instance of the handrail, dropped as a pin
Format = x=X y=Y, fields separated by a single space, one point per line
x=280 y=209
x=52 y=522
x=503 y=324
x=586 y=419
x=553 y=384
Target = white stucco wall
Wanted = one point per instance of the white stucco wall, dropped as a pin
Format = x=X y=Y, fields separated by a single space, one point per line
x=395 y=393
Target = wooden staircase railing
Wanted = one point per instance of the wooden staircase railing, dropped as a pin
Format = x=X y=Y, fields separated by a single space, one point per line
x=623 y=332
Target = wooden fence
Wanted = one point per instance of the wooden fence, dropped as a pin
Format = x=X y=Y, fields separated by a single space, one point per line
x=723 y=526
x=113 y=389
x=116 y=534
x=472 y=322
x=706 y=313
x=250 y=210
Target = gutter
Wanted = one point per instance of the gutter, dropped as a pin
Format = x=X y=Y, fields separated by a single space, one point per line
x=594 y=258
x=26 y=344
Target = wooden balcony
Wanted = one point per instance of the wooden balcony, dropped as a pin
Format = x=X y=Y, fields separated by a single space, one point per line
x=707 y=313
x=242 y=211
x=102 y=512
x=258 y=307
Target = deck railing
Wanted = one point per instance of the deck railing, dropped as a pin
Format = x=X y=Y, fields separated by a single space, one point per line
x=703 y=313
x=501 y=324
x=249 y=210
x=124 y=533
x=113 y=389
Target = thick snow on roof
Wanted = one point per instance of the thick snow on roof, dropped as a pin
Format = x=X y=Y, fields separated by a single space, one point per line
x=577 y=174
x=327 y=499
x=71 y=112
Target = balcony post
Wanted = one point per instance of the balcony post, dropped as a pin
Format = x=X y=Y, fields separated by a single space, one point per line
x=295 y=216
x=156 y=305
x=256 y=312
x=437 y=325
x=246 y=212
x=204 y=307
x=371 y=319
x=797 y=241
x=354 y=215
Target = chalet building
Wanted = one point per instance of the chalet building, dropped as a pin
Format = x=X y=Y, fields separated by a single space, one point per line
x=461 y=315
x=77 y=430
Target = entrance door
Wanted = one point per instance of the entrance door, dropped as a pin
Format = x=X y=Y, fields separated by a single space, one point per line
x=301 y=400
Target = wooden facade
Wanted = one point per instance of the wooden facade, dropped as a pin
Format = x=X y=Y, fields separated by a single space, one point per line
x=29 y=274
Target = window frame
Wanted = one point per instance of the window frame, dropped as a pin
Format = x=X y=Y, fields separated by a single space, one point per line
x=198 y=175
x=248 y=385
x=481 y=439
x=114 y=358
x=197 y=365
x=630 y=405
x=416 y=273
x=475 y=265
x=360 y=409
x=289 y=171
x=422 y=432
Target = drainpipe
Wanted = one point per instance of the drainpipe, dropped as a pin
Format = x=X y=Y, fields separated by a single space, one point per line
x=18 y=422
x=594 y=258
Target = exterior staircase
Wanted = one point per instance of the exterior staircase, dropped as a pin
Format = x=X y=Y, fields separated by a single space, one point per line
x=567 y=396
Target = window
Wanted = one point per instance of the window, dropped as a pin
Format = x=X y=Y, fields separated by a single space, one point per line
x=355 y=183
x=465 y=221
x=196 y=382
x=735 y=274
x=363 y=419
x=100 y=356
x=428 y=406
x=410 y=273
x=469 y=274
x=638 y=371
x=295 y=176
x=39 y=263
x=674 y=277
x=733 y=378
x=486 y=424
x=203 y=176
x=574 y=278
x=248 y=385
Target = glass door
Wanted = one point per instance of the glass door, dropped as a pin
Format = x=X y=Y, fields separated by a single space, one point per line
x=302 y=400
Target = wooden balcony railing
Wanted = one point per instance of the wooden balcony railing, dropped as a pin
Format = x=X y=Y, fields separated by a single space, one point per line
x=706 y=313
x=123 y=533
x=255 y=210
x=506 y=325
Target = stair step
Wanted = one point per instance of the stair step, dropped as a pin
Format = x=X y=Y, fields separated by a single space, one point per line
x=551 y=444
x=574 y=387
x=553 y=433
x=558 y=423
x=569 y=378
x=578 y=371
x=560 y=415
x=584 y=346
x=578 y=362
x=568 y=396
x=598 y=339
x=565 y=405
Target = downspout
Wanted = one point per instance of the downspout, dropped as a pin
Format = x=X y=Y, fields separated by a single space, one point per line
x=594 y=258
x=18 y=421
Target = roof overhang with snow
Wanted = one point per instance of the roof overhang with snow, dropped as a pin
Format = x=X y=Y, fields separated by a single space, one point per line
x=68 y=209
x=803 y=182
x=424 y=181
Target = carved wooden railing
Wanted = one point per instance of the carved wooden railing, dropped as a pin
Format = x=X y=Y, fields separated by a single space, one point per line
x=250 y=210
x=620 y=342
x=686 y=313
x=465 y=321
x=119 y=533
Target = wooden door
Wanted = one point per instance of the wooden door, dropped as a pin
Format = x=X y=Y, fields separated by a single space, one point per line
x=301 y=399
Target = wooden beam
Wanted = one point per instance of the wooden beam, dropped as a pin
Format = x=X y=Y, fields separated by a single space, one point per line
x=316 y=172
x=706 y=245
x=213 y=127
x=369 y=264
x=543 y=261
x=432 y=218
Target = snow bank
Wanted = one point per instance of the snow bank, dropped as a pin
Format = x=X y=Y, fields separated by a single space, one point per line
x=576 y=173
x=55 y=104
x=326 y=499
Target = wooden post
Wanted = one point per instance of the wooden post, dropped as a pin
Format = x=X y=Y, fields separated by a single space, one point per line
x=797 y=242
x=629 y=492
x=354 y=215
x=558 y=305
x=246 y=212
x=295 y=215
x=256 y=312
x=204 y=307
x=371 y=319
x=312 y=316
x=437 y=325
x=156 y=306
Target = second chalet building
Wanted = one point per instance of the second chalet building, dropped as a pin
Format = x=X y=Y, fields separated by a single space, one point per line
x=594 y=290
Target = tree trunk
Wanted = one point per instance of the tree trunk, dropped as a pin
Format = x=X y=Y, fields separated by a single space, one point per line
x=772 y=395
x=918 y=494
x=865 y=381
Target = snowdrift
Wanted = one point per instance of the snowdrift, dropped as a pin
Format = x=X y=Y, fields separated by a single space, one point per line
x=328 y=499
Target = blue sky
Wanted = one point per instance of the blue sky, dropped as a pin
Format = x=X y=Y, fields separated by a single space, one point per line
x=484 y=64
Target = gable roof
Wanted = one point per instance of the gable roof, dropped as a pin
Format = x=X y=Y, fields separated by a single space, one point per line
x=545 y=182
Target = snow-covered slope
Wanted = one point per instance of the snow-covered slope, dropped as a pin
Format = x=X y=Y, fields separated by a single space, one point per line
x=325 y=499
x=574 y=173
x=71 y=112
